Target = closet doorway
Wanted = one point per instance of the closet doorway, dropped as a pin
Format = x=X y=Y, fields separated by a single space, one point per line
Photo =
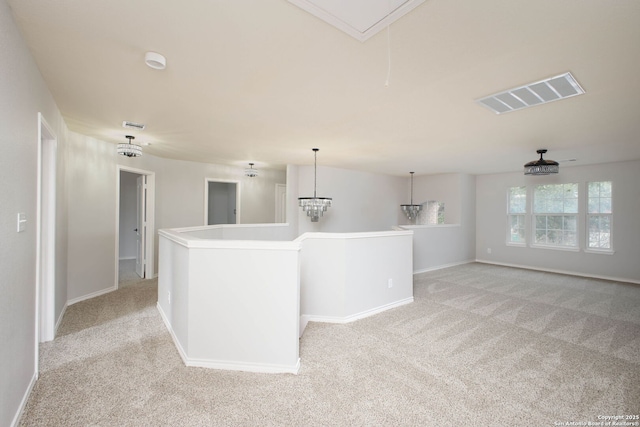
x=221 y=202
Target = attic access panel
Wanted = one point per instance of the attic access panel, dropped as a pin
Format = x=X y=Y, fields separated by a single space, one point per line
x=360 y=19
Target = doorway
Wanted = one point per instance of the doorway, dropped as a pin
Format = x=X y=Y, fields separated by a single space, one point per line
x=221 y=202
x=135 y=229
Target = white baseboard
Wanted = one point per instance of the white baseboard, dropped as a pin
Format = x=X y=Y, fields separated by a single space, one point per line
x=64 y=309
x=440 y=267
x=551 y=270
x=91 y=295
x=23 y=402
x=264 y=368
x=306 y=318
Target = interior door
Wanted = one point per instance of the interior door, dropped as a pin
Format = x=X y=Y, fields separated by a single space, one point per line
x=140 y=225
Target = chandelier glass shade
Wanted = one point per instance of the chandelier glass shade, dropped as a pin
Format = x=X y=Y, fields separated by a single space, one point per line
x=128 y=149
x=411 y=210
x=250 y=171
x=541 y=166
x=314 y=206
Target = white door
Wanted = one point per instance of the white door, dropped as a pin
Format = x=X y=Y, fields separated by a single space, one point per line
x=140 y=225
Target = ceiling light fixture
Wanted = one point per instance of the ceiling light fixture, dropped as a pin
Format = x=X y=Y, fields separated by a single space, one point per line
x=314 y=206
x=155 y=60
x=250 y=171
x=411 y=211
x=541 y=166
x=128 y=149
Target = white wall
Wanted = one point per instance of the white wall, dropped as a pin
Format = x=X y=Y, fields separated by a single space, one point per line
x=452 y=243
x=344 y=277
x=624 y=264
x=128 y=215
x=180 y=187
x=23 y=94
x=92 y=214
x=442 y=188
x=226 y=316
x=362 y=201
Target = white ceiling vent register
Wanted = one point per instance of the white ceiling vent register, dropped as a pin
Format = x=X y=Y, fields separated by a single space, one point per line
x=548 y=90
x=132 y=125
x=360 y=19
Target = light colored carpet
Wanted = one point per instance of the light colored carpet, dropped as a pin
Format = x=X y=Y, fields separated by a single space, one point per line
x=480 y=346
x=127 y=271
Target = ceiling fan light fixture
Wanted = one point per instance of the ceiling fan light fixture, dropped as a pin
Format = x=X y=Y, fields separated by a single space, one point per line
x=541 y=166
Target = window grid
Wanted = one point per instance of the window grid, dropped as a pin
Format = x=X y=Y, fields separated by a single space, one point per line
x=599 y=215
x=555 y=219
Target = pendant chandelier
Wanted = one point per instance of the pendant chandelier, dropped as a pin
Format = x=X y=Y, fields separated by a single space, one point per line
x=128 y=149
x=541 y=166
x=411 y=211
x=314 y=206
x=250 y=171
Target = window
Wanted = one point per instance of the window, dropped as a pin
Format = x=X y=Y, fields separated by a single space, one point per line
x=555 y=219
x=432 y=213
x=516 y=210
x=599 y=212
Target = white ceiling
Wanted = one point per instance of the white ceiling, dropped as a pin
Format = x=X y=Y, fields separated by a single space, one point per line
x=264 y=81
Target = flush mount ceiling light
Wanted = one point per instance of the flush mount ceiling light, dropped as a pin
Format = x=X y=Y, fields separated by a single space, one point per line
x=155 y=60
x=411 y=211
x=250 y=171
x=541 y=166
x=314 y=206
x=541 y=92
x=128 y=149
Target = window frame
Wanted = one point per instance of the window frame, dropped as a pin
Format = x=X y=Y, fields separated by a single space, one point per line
x=519 y=215
x=589 y=215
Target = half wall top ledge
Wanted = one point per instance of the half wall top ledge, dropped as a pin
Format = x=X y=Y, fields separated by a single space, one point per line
x=241 y=302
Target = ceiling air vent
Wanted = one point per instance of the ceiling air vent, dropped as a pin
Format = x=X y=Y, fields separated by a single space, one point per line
x=548 y=90
x=132 y=125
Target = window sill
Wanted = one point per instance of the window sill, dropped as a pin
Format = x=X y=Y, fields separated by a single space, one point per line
x=601 y=252
x=556 y=248
x=516 y=245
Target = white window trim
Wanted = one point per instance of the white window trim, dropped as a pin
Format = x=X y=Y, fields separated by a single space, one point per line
x=587 y=249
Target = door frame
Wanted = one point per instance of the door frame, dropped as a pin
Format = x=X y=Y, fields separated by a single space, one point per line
x=150 y=232
x=281 y=198
x=46 y=234
x=206 y=198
